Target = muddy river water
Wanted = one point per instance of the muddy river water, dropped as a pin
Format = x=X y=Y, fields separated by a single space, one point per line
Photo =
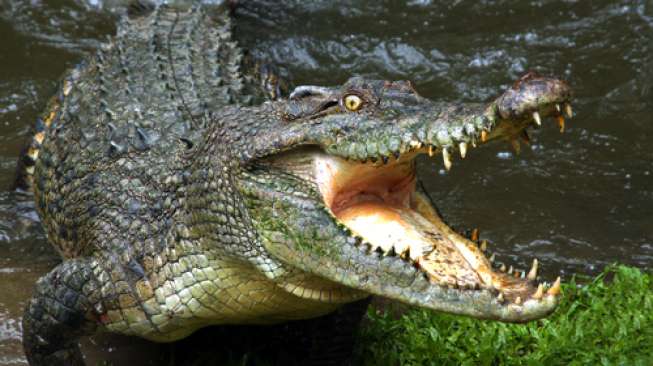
x=577 y=201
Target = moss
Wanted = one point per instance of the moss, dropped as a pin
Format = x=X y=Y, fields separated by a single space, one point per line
x=607 y=321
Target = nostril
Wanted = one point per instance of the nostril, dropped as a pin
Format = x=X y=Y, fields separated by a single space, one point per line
x=531 y=75
x=531 y=94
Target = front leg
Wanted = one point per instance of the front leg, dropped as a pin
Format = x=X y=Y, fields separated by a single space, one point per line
x=58 y=314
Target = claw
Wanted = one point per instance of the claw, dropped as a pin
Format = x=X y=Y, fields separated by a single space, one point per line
x=475 y=234
x=430 y=150
x=493 y=257
x=558 y=107
x=463 y=149
x=483 y=136
x=447 y=158
x=537 y=119
x=500 y=297
x=532 y=274
x=518 y=300
x=503 y=268
x=484 y=245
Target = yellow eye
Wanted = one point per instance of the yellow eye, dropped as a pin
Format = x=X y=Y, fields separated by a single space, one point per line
x=353 y=102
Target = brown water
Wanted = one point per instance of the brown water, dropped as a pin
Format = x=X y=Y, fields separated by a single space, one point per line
x=577 y=201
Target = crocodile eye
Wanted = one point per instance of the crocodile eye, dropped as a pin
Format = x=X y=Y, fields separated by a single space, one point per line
x=353 y=102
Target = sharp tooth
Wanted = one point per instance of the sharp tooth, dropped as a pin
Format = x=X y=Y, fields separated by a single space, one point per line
x=523 y=275
x=510 y=270
x=503 y=268
x=385 y=248
x=430 y=150
x=475 y=235
x=537 y=119
x=414 y=253
x=568 y=110
x=539 y=293
x=400 y=247
x=463 y=149
x=555 y=289
x=532 y=274
x=557 y=107
x=483 y=135
x=484 y=245
x=493 y=257
x=447 y=158
x=518 y=300
x=500 y=297
x=561 y=123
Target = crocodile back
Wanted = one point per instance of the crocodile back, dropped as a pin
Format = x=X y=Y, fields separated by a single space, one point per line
x=109 y=148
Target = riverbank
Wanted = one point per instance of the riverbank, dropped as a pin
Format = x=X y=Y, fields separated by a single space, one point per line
x=608 y=320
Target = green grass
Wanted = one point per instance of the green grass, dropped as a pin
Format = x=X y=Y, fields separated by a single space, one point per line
x=608 y=321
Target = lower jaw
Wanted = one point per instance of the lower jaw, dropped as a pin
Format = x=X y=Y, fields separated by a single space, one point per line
x=374 y=200
x=418 y=234
x=381 y=205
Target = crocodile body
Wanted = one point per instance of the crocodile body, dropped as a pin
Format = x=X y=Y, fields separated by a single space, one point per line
x=181 y=194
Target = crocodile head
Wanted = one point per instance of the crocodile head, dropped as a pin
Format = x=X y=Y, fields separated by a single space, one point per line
x=330 y=186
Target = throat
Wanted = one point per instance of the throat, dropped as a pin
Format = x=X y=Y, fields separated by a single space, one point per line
x=344 y=184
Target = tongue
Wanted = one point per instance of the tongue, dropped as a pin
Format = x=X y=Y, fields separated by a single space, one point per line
x=389 y=227
x=412 y=235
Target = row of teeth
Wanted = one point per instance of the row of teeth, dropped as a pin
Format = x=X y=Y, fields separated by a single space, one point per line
x=446 y=155
x=542 y=288
x=413 y=255
x=531 y=276
x=463 y=146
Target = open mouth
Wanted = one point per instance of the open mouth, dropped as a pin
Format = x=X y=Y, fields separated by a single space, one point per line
x=381 y=204
x=397 y=244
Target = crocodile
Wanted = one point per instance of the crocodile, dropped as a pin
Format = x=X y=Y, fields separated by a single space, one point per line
x=184 y=187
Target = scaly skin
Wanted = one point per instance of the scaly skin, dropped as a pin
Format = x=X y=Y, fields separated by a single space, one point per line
x=179 y=200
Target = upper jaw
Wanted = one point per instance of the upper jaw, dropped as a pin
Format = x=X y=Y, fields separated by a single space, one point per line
x=447 y=129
